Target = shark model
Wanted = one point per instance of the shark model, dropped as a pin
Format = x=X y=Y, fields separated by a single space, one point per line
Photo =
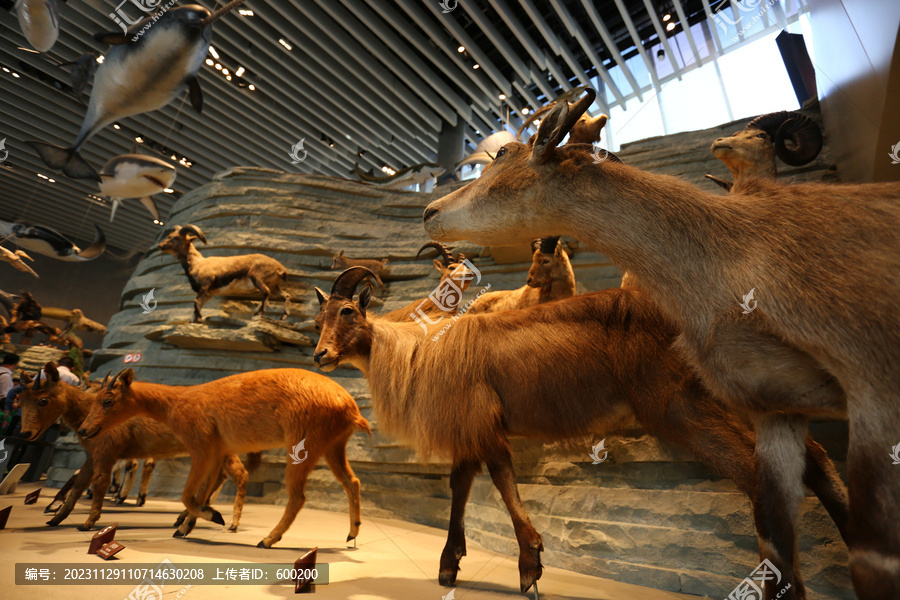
x=49 y=242
x=39 y=22
x=136 y=176
x=420 y=173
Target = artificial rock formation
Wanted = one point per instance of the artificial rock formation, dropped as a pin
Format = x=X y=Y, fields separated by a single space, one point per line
x=649 y=514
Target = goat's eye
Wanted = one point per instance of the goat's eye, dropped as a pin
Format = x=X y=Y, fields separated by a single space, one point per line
x=500 y=152
x=107 y=403
x=318 y=328
x=762 y=136
x=346 y=311
x=42 y=402
x=547 y=262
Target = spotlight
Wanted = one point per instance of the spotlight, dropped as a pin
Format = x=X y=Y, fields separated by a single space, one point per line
x=218 y=67
x=245 y=12
x=139 y=140
x=215 y=54
x=461 y=49
x=285 y=44
x=525 y=111
x=239 y=72
x=210 y=62
x=476 y=66
x=502 y=96
x=666 y=17
x=251 y=87
x=100 y=59
x=670 y=26
x=116 y=126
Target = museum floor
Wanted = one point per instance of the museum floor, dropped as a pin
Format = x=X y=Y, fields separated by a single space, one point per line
x=394 y=560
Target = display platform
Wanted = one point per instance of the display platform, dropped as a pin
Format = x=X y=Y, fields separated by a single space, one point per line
x=394 y=560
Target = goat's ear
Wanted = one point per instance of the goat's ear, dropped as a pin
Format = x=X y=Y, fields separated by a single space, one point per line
x=550 y=133
x=126 y=377
x=438 y=264
x=341 y=254
x=365 y=295
x=52 y=373
x=322 y=296
x=26 y=379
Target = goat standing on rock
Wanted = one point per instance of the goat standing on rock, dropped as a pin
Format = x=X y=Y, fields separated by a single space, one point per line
x=215 y=275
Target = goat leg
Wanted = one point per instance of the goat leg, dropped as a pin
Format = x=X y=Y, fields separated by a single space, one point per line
x=822 y=478
x=99 y=483
x=146 y=474
x=82 y=481
x=530 y=544
x=203 y=468
x=461 y=477
x=336 y=457
x=265 y=291
x=61 y=495
x=287 y=305
x=234 y=467
x=781 y=460
x=131 y=468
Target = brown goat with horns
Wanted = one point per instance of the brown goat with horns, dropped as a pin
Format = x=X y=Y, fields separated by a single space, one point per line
x=613 y=361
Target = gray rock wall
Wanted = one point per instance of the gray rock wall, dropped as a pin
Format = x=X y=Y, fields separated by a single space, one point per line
x=650 y=514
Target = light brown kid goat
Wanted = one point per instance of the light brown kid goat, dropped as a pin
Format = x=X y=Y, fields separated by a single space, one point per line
x=247 y=412
x=549 y=278
x=340 y=262
x=455 y=280
x=612 y=360
x=821 y=337
x=43 y=402
x=214 y=275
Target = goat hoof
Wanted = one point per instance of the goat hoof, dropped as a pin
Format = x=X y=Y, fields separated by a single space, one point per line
x=142 y=500
x=447 y=578
x=85 y=527
x=120 y=501
x=217 y=518
x=178 y=534
x=53 y=522
x=262 y=544
x=52 y=509
x=232 y=529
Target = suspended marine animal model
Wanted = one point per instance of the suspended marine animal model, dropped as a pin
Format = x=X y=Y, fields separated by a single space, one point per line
x=135 y=176
x=49 y=242
x=8 y=301
x=14 y=258
x=39 y=22
x=421 y=173
x=487 y=149
x=140 y=73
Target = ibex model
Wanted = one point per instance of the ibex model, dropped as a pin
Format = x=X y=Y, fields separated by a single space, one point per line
x=612 y=361
x=823 y=340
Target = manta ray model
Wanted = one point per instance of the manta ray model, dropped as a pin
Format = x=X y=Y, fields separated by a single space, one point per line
x=135 y=176
x=137 y=77
x=404 y=177
x=49 y=242
x=39 y=22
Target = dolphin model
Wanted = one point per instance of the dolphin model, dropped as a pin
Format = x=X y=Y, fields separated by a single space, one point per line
x=139 y=74
x=404 y=177
x=135 y=176
x=49 y=242
x=39 y=22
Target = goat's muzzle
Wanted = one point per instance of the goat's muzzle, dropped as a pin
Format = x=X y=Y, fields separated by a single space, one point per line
x=430 y=212
x=83 y=433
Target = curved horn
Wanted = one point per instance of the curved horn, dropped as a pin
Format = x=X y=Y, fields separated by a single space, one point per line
x=96 y=248
x=533 y=116
x=578 y=109
x=346 y=283
x=37 y=381
x=803 y=133
x=105 y=380
x=721 y=182
x=194 y=230
x=548 y=244
x=445 y=254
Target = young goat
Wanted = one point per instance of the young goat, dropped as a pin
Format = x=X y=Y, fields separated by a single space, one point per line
x=248 y=412
x=750 y=153
x=823 y=340
x=46 y=401
x=612 y=360
x=549 y=278
x=455 y=278
x=223 y=274
x=338 y=261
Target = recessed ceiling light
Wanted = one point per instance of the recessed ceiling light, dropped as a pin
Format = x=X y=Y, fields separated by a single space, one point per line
x=476 y=66
x=5 y=69
x=51 y=180
x=210 y=62
x=251 y=87
x=139 y=140
x=225 y=72
x=670 y=26
x=218 y=66
x=100 y=59
x=502 y=96
x=461 y=49
x=228 y=77
x=16 y=74
x=666 y=17
x=168 y=190
x=239 y=72
x=245 y=12
x=525 y=111
x=116 y=126
x=285 y=44
x=215 y=54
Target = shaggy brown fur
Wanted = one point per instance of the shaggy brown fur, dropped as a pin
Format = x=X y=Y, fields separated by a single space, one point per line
x=549 y=278
x=824 y=261
x=210 y=276
x=138 y=438
x=612 y=361
x=284 y=407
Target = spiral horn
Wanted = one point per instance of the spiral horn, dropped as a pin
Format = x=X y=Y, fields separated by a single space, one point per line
x=345 y=284
x=442 y=249
x=788 y=126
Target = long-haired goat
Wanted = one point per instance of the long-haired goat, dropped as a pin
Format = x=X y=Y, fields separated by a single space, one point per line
x=824 y=338
x=750 y=153
x=247 y=412
x=451 y=268
x=612 y=360
x=340 y=262
x=549 y=278
x=45 y=401
x=215 y=275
